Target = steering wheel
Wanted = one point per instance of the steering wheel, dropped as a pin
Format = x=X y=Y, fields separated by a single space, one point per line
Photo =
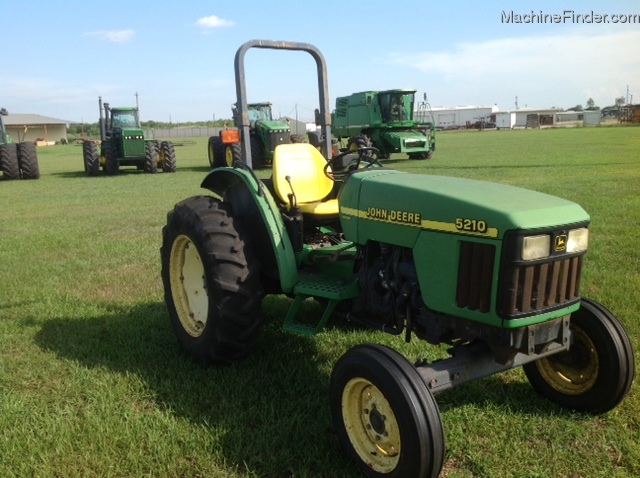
x=368 y=160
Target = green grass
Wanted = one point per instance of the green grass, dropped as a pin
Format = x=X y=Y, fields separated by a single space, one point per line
x=93 y=383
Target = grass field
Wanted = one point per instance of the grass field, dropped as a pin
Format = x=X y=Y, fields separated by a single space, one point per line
x=93 y=383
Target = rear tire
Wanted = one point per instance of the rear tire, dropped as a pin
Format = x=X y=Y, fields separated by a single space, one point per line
x=91 y=158
x=28 y=160
x=167 y=157
x=211 y=281
x=596 y=373
x=9 y=161
x=385 y=416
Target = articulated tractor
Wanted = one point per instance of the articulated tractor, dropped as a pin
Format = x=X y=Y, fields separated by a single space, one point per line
x=490 y=270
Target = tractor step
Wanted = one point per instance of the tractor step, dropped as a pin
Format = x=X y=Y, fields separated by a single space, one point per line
x=335 y=290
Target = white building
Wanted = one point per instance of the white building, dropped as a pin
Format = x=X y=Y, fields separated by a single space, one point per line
x=457 y=117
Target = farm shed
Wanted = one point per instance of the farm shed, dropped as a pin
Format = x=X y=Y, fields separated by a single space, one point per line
x=31 y=127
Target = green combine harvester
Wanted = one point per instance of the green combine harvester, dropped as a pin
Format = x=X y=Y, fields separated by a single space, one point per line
x=490 y=271
x=383 y=120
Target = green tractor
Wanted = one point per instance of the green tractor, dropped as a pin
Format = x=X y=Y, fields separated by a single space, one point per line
x=123 y=144
x=265 y=134
x=490 y=270
x=384 y=120
x=17 y=160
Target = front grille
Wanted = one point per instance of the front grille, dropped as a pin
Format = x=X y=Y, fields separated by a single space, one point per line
x=475 y=276
x=276 y=138
x=528 y=289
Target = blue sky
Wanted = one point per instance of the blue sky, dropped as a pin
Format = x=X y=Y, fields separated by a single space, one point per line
x=58 y=57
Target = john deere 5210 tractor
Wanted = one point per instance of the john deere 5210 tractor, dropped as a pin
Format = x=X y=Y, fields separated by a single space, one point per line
x=492 y=271
x=123 y=144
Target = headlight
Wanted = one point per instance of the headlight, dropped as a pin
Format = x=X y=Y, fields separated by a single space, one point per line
x=536 y=247
x=578 y=240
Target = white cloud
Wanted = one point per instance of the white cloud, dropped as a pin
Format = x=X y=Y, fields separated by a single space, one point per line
x=214 y=22
x=115 y=36
x=551 y=69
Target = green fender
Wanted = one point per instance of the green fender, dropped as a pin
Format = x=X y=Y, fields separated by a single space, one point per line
x=252 y=201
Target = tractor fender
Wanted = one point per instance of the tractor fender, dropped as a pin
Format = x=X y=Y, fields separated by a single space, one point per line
x=254 y=205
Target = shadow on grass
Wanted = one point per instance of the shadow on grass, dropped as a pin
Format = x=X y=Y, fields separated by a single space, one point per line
x=269 y=413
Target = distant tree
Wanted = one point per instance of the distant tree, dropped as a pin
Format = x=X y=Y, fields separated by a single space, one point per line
x=591 y=105
x=3 y=112
x=576 y=108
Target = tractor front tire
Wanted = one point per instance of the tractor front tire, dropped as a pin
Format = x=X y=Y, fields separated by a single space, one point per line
x=151 y=158
x=211 y=281
x=385 y=416
x=112 y=166
x=257 y=153
x=232 y=153
x=216 y=152
x=91 y=158
x=9 y=161
x=28 y=160
x=167 y=157
x=597 y=371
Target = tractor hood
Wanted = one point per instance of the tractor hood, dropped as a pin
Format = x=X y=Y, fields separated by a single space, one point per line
x=374 y=203
x=273 y=125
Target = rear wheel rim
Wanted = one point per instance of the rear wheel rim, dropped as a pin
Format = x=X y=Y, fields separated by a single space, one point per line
x=576 y=371
x=371 y=425
x=188 y=286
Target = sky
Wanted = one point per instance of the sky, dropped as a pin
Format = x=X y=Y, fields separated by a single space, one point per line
x=178 y=56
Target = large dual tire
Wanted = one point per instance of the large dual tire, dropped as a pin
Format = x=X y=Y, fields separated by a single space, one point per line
x=211 y=281
x=28 y=160
x=257 y=153
x=151 y=158
x=167 y=157
x=112 y=166
x=232 y=153
x=597 y=371
x=91 y=158
x=9 y=161
x=386 y=418
x=216 y=152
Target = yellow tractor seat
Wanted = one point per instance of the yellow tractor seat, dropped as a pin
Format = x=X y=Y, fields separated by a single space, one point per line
x=304 y=166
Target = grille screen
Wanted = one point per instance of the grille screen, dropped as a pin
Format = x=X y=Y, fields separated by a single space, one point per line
x=475 y=276
x=531 y=288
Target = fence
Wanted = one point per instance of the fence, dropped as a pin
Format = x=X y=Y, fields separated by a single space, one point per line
x=183 y=132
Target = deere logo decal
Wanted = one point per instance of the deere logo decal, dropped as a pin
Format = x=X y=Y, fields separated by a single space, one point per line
x=561 y=243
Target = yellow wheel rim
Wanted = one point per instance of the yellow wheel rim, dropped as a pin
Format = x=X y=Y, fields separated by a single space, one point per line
x=577 y=375
x=371 y=425
x=211 y=157
x=188 y=286
x=229 y=156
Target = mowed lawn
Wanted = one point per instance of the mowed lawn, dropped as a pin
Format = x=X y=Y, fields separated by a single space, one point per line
x=93 y=383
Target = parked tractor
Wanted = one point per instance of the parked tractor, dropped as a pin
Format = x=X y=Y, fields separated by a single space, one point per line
x=490 y=270
x=122 y=143
x=17 y=160
x=384 y=120
x=265 y=134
